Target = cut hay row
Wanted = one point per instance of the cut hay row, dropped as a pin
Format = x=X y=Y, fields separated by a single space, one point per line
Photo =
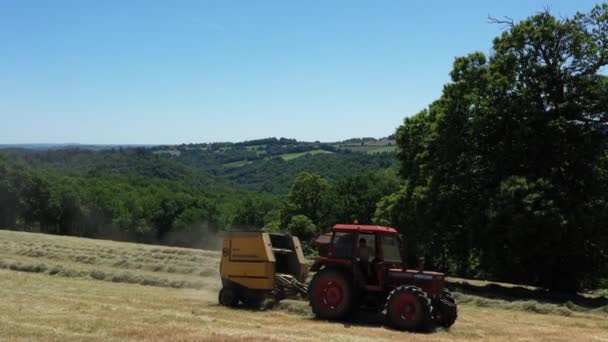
x=109 y=261
x=122 y=262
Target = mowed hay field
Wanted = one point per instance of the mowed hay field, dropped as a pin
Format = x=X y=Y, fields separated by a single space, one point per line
x=66 y=288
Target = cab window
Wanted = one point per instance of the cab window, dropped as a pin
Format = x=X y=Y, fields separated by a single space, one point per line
x=390 y=248
x=343 y=245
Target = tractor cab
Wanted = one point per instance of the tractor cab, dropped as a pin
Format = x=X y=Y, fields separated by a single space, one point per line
x=369 y=251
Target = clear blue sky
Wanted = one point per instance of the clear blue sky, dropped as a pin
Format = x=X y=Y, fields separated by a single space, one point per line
x=153 y=72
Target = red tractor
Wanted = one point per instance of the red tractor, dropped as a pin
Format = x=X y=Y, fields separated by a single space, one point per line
x=362 y=267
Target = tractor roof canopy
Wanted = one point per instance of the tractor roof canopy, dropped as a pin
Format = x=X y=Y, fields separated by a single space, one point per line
x=364 y=228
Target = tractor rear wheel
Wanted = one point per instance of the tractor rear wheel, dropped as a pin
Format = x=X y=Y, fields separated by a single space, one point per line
x=408 y=308
x=331 y=295
x=446 y=310
x=228 y=297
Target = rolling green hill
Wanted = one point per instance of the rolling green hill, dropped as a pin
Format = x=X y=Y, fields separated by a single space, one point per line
x=270 y=165
x=264 y=165
x=165 y=194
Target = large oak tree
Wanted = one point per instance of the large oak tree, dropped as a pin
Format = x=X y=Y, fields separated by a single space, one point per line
x=506 y=172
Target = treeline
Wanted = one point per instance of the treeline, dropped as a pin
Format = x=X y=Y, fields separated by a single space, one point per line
x=215 y=158
x=127 y=195
x=506 y=175
x=313 y=204
x=261 y=167
x=137 y=195
x=208 y=155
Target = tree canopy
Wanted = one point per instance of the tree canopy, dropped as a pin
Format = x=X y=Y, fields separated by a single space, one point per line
x=505 y=174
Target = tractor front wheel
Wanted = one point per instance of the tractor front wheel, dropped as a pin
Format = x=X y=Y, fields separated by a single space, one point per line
x=408 y=308
x=331 y=295
x=445 y=310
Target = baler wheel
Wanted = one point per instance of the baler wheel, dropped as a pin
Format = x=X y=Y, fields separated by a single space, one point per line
x=252 y=300
x=228 y=297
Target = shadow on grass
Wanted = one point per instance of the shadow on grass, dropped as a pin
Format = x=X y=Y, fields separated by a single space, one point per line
x=363 y=318
x=366 y=319
x=519 y=293
x=375 y=319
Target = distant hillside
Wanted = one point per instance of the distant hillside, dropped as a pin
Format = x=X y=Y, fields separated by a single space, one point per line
x=68 y=145
x=270 y=165
x=263 y=165
x=276 y=175
x=167 y=194
x=231 y=154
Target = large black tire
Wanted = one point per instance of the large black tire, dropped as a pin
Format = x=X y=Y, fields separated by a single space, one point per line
x=228 y=297
x=332 y=295
x=409 y=308
x=446 y=311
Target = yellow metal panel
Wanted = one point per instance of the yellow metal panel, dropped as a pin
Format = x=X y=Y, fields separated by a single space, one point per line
x=247 y=259
x=268 y=247
x=301 y=260
x=250 y=247
x=249 y=269
x=255 y=275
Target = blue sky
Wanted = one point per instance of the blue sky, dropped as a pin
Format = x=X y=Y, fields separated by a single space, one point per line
x=163 y=72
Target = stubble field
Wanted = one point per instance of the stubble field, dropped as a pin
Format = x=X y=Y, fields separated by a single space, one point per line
x=66 y=288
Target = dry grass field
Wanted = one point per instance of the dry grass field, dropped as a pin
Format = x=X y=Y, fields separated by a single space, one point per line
x=65 y=288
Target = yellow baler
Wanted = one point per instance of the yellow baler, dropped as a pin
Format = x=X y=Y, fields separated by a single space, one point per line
x=256 y=266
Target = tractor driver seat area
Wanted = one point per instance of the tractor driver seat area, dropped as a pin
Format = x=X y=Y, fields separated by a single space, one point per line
x=367 y=252
x=346 y=247
x=375 y=269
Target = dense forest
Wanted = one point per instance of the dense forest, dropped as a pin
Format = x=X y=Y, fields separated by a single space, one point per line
x=504 y=177
x=141 y=195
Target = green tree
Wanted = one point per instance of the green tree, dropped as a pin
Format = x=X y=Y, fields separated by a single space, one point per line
x=255 y=212
x=12 y=181
x=513 y=152
x=311 y=196
x=357 y=196
x=302 y=227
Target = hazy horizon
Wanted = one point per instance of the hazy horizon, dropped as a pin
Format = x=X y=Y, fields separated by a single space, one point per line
x=179 y=143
